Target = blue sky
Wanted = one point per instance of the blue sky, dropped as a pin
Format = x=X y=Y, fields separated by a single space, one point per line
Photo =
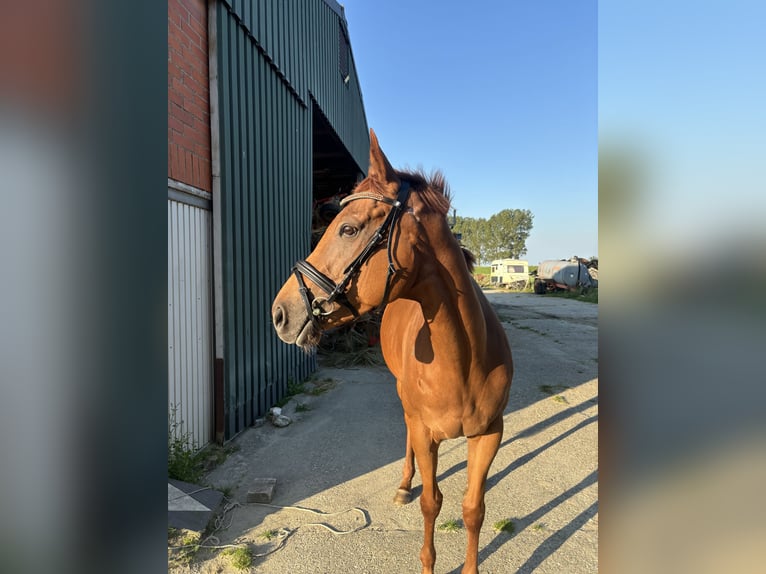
x=499 y=95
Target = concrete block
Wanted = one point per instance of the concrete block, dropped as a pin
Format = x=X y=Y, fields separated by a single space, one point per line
x=261 y=490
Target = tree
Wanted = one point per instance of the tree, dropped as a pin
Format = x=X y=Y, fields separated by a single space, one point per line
x=503 y=235
x=507 y=233
x=470 y=229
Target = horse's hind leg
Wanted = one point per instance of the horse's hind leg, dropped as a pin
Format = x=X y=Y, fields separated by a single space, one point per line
x=426 y=453
x=404 y=492
x=481 y=452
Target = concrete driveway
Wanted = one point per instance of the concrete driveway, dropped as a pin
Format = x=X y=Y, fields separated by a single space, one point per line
x=344 y=451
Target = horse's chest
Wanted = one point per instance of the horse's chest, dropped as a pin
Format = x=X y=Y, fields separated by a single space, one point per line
x=439 y=404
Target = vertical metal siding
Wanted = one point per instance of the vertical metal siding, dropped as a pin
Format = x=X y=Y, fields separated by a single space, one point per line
x=268 y=73
x=190 y=342
x=300 y=40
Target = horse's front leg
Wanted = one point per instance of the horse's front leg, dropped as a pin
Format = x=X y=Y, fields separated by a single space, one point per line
x=404 y=492
x=426 y=453
x=481 y=452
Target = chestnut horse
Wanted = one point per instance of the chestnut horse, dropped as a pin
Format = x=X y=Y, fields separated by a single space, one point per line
x=391 y=247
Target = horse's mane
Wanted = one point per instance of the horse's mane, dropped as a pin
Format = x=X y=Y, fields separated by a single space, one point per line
x=435 y=193
x=433 y=189
x=470 y=259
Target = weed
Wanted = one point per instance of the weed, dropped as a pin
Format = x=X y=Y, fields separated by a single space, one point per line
x=183 y=546
x=190 y=539
x=302 y=408
x=214 y=455
x=241 y=558
x=505 y=525
x=183 y=462
x=283 y=401
x=293 y=389
x=539 y=526
x=184 y=556
x=227 y=491
x=268 y=534
x=560 y=399
x=451 y=525
x=322 y=387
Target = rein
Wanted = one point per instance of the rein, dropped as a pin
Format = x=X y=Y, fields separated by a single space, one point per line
x=336 y=292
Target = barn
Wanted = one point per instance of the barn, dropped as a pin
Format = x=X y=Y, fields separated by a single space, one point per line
x=265 y=121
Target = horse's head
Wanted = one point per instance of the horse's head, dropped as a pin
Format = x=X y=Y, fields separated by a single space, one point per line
x=360 y=262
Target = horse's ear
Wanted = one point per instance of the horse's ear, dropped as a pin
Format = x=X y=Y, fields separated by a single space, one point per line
x=380 y=168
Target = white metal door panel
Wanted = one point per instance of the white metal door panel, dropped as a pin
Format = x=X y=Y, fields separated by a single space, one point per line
x=190 y=327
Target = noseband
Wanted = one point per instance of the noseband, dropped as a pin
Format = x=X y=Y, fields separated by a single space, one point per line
x=337 y=291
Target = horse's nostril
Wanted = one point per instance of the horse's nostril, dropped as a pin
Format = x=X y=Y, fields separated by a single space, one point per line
x=278 y=316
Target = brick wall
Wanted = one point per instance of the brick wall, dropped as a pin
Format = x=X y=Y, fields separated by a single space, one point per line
x=188 y=94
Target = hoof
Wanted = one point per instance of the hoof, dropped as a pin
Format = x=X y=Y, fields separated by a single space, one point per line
x=402 y=497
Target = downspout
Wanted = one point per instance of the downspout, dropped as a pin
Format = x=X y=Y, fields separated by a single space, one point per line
x=215 y=168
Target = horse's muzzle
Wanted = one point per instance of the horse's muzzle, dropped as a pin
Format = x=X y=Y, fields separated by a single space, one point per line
x=280 y=317
x=293 y=325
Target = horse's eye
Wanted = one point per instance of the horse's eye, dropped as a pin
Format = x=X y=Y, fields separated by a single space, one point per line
x=348 y=230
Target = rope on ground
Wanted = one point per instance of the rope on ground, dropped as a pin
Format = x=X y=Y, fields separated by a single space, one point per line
x=320 y=513
x=282 y=534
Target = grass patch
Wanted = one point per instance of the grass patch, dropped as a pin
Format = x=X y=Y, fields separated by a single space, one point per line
x=315 y=389
x=227 y=491
x=183 y=546
x=214 y=455
x=268 y=534
x=585 y=295
x=321 y=387
x=505 y=525
x=451 y=525
x=293 y=389
x=241 y=558
x=189 y=466
x=283 y=401
x=190 y=539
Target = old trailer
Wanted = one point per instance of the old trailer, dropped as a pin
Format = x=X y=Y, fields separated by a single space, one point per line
x=509 y=273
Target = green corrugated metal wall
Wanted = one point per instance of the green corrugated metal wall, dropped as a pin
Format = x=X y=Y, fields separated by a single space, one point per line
x=272 y=57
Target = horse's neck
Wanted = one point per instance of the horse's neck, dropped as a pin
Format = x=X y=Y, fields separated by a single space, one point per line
x=451 y=306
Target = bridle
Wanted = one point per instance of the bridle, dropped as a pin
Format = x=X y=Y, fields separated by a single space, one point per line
x=336 y=292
